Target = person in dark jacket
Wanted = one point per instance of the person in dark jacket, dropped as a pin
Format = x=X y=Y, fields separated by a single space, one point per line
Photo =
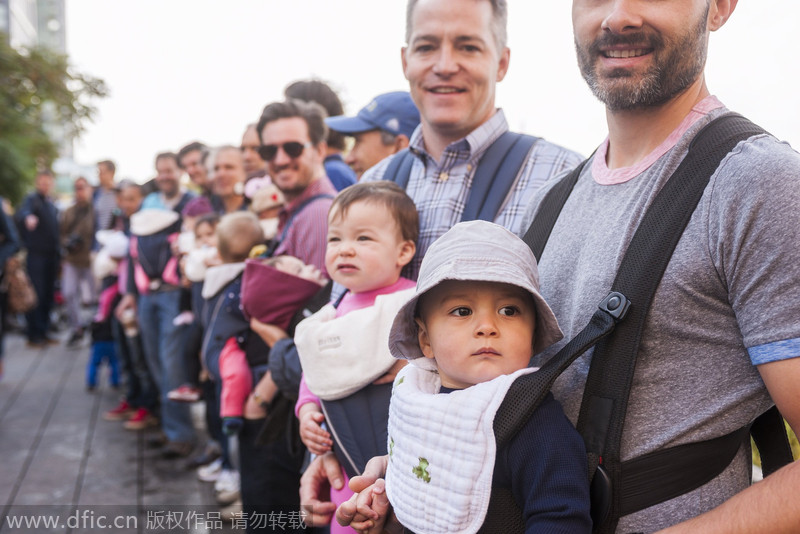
x=38 y=221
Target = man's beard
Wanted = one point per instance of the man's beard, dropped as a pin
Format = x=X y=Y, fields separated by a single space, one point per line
x=676 y=65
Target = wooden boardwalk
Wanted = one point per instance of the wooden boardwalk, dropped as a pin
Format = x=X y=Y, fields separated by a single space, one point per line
x=60 y=456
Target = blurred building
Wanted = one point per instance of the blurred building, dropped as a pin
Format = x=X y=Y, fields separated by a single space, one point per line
x=29 y=23
x=32 y=22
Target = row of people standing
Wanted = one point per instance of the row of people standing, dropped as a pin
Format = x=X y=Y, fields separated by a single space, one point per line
x=731 y=270
x=293 y=196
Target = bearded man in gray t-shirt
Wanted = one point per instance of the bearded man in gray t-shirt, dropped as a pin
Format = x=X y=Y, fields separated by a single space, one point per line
x=725 y=320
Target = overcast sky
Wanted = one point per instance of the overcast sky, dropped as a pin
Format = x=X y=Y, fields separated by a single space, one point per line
x=180 y=70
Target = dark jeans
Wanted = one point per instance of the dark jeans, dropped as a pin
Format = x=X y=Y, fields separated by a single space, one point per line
x=43 y=271
x=212 y=393
x=270 y=477
x=191 y=353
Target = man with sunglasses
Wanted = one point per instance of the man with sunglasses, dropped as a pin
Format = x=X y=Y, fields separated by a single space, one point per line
x=338 y=172
x=293 y=145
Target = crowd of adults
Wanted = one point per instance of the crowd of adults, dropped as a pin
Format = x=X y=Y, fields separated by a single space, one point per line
x=721 y=340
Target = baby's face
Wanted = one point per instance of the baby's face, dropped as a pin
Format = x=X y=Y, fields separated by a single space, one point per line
x=295 y=266
x=205 y=235
x=366 y=249
x=476 y=331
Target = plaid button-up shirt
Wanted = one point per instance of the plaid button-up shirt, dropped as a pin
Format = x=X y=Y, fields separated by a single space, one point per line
x=440 y=188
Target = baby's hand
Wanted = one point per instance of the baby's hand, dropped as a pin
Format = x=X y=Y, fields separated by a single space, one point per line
x=317 y=440
x=366 y=511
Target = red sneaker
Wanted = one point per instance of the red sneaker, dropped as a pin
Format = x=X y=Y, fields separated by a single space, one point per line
x=140 y=420
x=185 y=393
x=121 y=412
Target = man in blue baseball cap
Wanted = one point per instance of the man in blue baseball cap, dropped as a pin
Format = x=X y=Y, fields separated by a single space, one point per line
x=380 y=129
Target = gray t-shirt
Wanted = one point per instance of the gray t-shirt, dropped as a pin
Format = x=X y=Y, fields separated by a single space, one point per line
x=729 y=299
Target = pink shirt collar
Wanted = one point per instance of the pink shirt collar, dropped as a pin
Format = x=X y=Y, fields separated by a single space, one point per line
x=356 y=301
x=605 y=176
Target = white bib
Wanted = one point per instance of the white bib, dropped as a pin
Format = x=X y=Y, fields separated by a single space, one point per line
x=442 y=451
x=341 y=355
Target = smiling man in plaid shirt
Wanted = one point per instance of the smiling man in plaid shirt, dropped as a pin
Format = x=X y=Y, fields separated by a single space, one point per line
x=453 y=64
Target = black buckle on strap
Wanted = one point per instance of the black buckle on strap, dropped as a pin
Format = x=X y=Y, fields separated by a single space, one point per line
x=616 y=305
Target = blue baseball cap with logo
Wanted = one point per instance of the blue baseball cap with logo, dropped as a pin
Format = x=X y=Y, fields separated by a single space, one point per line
x=393 y=112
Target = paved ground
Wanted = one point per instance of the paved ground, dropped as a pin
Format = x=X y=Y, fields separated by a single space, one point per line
x=60 y=457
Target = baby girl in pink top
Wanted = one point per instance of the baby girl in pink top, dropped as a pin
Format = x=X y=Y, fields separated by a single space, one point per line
x=372 y=231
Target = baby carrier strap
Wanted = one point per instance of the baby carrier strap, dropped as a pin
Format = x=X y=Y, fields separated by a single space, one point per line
x=503 y=514
x=185 y=198
x=358 y=426
x=276 y=242
x=399 y=169
x=154 y=255
x=496 y=174
x=620 y=488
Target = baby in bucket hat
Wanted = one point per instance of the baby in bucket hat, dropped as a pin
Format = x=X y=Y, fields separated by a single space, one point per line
x=470 y=330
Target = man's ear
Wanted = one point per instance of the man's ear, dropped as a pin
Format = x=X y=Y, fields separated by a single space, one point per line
x=424 y=339
x=502 y=67
x=400 y=142
x=407 y=250
x=322 y=149
x=719 y=12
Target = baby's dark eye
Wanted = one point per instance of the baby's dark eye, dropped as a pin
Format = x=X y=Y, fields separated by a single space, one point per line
x=509 y=311
x=461 y=311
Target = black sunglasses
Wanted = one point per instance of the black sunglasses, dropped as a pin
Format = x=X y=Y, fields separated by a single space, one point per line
x=293 y=149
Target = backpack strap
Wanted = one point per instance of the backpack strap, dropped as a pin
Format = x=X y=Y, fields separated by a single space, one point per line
x=495 y=176
x=549 y=209
x=769 y=433
x=185 y=198
x=276 y=243
x=399 y=169
x=619 y=489
x=605 y=400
